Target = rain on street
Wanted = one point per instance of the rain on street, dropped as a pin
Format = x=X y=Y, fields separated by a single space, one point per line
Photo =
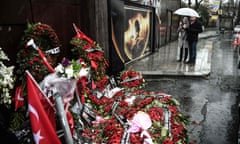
x=210 y=101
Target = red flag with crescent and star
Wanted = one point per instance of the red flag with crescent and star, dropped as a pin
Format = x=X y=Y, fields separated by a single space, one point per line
x=42 y=128
x=19 y=101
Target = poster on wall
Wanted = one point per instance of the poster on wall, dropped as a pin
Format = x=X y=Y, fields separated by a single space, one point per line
x=137 y=31
x=132 y=30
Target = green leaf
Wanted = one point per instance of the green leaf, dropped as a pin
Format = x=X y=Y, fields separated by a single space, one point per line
x=164 y=132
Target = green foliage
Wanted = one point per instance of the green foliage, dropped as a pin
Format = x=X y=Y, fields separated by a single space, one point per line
x=17 y=119
x=203 y=11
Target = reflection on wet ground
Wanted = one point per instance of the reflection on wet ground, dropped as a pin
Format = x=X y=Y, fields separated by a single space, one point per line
x=210 y=101
x=163 y=62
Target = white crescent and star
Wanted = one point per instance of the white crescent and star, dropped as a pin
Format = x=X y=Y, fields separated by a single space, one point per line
x=19 y=97
x=37 y=136
x=33 y=110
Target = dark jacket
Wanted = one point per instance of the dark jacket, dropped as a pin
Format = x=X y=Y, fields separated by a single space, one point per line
x=193 y=31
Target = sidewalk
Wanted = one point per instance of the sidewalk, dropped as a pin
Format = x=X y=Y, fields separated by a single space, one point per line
x=163 y=61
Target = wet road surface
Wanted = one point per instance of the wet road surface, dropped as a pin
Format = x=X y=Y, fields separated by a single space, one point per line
x=210 y=101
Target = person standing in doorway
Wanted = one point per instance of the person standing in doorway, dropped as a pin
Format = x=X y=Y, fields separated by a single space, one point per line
x=194 y=29
x=182 y=50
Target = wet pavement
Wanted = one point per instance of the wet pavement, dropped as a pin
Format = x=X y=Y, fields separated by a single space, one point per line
x=163 y=61
x=208 y=91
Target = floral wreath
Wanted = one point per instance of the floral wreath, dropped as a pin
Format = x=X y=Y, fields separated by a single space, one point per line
x=91 y=52
x=132 y=79
x=28 y=59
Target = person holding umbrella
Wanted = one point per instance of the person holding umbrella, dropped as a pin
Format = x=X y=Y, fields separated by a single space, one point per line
x=194 y=29
x=182 y=50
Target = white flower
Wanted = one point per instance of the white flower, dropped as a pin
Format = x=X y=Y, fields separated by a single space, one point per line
x=71 y=69
x=59 y=68
x=84 y=72
x=3 y=56
x=69 y=72
x=6 y=80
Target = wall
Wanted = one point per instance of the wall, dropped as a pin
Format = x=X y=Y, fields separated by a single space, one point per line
x=90 y=16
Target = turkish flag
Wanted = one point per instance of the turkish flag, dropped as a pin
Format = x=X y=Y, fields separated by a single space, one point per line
x=43 y=130
x=19 y=101
x=81 y=35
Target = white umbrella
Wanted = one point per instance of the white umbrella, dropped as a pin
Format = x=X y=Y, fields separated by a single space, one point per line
x=186 y=12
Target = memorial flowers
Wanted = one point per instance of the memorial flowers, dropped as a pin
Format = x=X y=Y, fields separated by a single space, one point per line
x=132 y=79
x=7 y=80
x=28 y=58
x=107 y=109
x=152 y=118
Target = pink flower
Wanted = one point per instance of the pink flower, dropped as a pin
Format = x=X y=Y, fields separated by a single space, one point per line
x=140 y=121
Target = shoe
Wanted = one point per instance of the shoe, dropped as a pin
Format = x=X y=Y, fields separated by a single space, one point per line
x=189 y=62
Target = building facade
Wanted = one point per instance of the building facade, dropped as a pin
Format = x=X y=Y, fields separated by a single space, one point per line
x=93 y=17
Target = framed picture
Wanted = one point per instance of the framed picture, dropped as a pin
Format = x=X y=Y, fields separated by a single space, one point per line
x=132 y=30
x=138 y=30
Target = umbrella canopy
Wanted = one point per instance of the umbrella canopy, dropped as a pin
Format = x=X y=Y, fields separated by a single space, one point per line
x=186 y=12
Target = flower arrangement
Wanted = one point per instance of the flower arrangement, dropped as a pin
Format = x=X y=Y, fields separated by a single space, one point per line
x=69 y=69
x=132 y=79
x=7 y=80
x=91 y=52
x=28 y=59
x=113 y=111
x=118 y=112
x=153 y=117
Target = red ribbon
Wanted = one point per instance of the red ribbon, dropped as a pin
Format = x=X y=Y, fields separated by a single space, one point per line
x=46 y=63
x=83 y=82
x=94 y=65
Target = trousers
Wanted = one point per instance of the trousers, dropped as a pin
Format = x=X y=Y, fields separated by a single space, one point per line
x=192 y=51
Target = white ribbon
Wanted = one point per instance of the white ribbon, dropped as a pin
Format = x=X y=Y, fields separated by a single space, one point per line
x=131 y=79
x=55 y=50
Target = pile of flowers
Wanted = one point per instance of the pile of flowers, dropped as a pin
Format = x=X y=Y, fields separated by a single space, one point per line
x=113 y=110
x=117 y=102
x=6 y=80
x=166 y=124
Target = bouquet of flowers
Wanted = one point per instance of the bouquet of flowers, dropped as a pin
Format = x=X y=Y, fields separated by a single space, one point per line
x=132 y=79
x=6 y=80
